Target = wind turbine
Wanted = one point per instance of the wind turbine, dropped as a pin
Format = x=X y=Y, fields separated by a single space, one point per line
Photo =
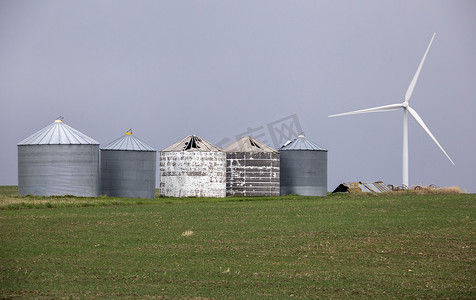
x=406 y=110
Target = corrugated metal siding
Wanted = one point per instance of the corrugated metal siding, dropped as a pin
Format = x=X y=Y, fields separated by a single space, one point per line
x=128 y=174
x=372 y=187
x=48 y=170
x=303 y=172
x=128 y=168
x=376 y=187
x=303 y=168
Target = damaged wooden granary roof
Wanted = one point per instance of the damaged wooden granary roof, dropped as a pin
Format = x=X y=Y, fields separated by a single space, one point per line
x=252 y=168
x=192 y=143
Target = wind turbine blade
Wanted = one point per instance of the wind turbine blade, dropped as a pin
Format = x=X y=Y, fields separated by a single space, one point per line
x=417 y=118
x=373 y=109
x=415 y=78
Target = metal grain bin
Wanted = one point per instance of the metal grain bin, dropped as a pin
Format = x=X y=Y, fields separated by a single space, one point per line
x=252 y=168
x=128 y=168
x=58 y=160
x=303 y=168
x=192 y=167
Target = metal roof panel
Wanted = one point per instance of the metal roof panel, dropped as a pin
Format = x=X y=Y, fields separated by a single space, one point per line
x=301 y=143
x=128 y=142
x=58 y=133
x=366 y=187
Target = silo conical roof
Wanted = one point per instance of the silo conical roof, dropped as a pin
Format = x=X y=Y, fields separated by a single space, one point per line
x=248 y=144
x=128 y=142
x=58 y=133
x=192 y=143
x=301 y=143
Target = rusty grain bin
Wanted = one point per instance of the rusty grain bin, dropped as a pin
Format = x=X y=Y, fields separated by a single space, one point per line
x=252 y=168
x=192 y=167
x=128 y=168
x=58 y=160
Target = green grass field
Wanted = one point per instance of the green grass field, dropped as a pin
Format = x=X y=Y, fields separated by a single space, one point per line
x=341 y=246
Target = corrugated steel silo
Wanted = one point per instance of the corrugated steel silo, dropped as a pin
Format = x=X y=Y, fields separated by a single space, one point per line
x=128 y=168
x=192 y=167
x=303 y=168
x=252 y=168
x=58 y=160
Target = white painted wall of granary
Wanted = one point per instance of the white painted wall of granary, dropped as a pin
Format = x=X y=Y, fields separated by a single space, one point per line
x=192 y=174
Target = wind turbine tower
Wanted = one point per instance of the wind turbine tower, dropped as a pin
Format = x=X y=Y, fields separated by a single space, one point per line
x=406 y=110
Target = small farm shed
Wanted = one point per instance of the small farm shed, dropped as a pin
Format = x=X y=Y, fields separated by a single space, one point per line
x=58 y=160
x=252 y=168
x=192 y=167
x=128 y=167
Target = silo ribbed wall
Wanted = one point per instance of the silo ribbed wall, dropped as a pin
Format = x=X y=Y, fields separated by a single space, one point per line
x=192 y=174
x=128 y=174
x=252 y=173
x=303 y=172
x=48 y=170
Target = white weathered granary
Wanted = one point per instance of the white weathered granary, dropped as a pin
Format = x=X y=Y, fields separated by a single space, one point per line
x=192 y=167
x=252 y=168
x=128 y=168
x=58 y=160
x=303 y=169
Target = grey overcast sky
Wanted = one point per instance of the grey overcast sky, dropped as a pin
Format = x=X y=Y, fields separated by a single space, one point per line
x=167 y=69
